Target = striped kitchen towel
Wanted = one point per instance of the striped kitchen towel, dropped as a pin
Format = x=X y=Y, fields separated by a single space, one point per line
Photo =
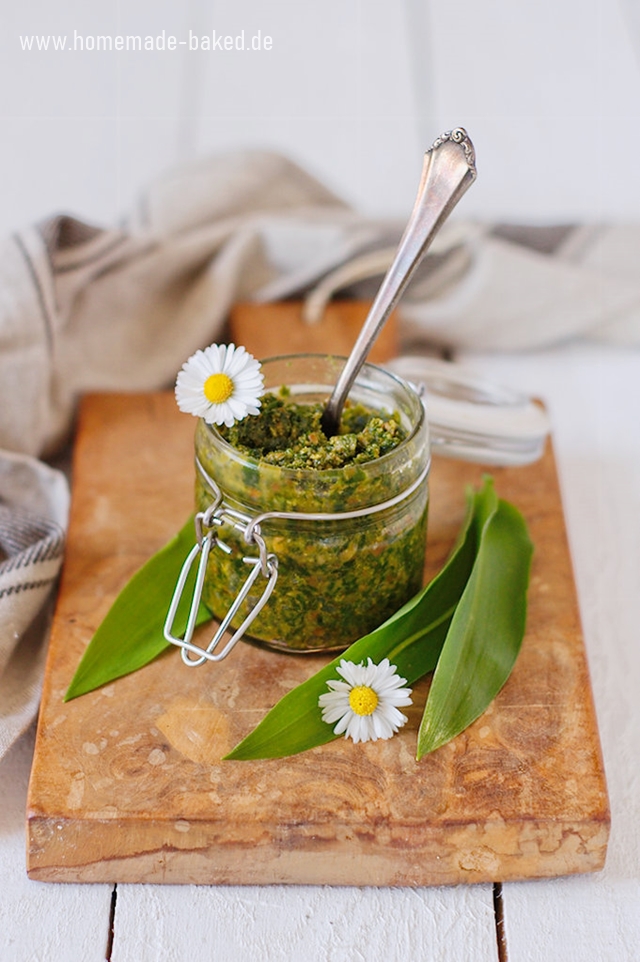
x=33 y=508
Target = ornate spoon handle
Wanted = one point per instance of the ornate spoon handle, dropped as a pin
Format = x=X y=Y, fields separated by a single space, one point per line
x=448 y=171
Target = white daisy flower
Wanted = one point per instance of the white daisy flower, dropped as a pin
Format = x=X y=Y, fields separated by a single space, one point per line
x=365 y=705
x=221 y=384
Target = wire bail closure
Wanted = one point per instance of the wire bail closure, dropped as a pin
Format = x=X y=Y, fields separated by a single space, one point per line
x=266 y=564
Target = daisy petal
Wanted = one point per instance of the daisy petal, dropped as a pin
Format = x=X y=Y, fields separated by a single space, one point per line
x=343 y=724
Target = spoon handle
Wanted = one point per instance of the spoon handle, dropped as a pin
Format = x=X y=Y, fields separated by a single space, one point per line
x=448 y=171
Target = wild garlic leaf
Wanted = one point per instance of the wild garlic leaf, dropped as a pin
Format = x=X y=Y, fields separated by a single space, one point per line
x=131 y=634
x=411 y=639
x=486 y=631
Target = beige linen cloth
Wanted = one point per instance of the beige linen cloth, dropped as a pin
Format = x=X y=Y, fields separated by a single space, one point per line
x=88 y=309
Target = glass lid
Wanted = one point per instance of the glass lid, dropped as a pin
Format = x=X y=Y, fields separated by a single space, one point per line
x=473 y=419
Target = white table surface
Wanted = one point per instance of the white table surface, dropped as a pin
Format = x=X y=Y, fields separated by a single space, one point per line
x=593 y=394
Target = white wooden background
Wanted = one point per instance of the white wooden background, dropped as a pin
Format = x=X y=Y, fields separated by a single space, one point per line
x=353 y=89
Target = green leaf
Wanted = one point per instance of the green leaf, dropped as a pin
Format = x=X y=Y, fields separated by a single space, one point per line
x=411 y=639
x=486 y=631
x=131 y=634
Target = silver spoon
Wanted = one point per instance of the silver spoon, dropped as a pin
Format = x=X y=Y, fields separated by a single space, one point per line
x=449 y=170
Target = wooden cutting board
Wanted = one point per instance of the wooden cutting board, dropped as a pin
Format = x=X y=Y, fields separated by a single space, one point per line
x=128 y=783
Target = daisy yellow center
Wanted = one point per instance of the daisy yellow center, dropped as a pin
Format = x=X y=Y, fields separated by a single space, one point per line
x=218 y=388
x=363 y=700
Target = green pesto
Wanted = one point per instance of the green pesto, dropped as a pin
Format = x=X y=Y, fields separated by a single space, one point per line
x=338 y=580
x=290 y=435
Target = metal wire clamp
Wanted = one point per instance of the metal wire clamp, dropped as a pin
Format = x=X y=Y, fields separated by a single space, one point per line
x=219 y=513
x=266 y=564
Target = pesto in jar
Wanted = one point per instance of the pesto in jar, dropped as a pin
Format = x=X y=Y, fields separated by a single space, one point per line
x=337 y=579
x=290 y=434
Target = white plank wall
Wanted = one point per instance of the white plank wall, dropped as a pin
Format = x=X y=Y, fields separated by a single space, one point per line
x=81 y=131
x=353 y=89
x=551 y=94
x=337 y=95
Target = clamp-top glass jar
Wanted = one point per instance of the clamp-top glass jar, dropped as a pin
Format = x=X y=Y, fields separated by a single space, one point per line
x=346 y=545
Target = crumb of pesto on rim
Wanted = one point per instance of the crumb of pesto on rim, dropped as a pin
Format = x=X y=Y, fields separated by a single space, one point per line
x=289 y=435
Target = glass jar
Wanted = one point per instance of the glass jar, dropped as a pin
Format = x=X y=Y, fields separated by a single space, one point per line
x=349 y=542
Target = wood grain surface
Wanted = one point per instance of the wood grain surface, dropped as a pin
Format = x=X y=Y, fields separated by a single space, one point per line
x=270 y=329
x=128 y=782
